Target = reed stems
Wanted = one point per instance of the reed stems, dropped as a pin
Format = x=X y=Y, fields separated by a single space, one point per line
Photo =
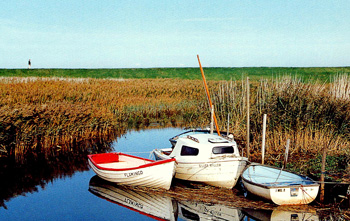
x=50 y=115
x=306 y=113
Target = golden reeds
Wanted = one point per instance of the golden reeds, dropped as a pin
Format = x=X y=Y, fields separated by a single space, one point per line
x=340 y=89
x=39 y=114
x=309 y=114
x=51 y=114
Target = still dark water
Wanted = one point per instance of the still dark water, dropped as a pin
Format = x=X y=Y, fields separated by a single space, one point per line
x=80 y=195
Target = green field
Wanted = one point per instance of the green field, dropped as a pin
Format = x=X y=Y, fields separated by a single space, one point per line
x=255 y=73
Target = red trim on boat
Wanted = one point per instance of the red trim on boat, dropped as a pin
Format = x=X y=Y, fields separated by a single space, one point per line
x=114 y=157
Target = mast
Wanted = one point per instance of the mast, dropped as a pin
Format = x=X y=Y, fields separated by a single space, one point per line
x=208 y=95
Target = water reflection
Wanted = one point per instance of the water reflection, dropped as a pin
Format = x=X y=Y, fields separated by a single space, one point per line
x=189 y=210
x=280 y=215
x=154 y=206
x=60 y=180
x=160 y=206
x=39 y=170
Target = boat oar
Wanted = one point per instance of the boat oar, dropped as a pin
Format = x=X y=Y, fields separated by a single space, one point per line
x=208 y=95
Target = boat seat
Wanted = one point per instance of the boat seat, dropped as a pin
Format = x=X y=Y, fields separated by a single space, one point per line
x=166 y=152
x=292 y=183
x=117 y=165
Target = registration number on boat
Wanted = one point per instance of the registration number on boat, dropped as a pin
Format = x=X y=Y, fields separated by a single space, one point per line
x=137 y=173
x=205 y=165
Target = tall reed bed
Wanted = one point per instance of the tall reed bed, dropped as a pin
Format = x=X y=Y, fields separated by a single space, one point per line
x=312 y=115
x=51 y=115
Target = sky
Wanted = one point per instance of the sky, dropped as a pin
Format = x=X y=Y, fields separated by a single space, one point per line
x=171 y=33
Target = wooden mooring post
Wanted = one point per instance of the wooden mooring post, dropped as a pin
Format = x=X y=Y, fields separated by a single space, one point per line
x=323 y=171
x=286 y=154
x=323 y=167
x=248 y=119
x=263 y=140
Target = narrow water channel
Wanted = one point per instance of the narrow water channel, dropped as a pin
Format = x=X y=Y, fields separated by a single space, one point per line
x=70 y=190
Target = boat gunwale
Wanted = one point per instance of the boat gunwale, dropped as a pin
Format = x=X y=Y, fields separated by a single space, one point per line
x=223 y=159
x=230 y=159
x=150 y=164
x=278 y=187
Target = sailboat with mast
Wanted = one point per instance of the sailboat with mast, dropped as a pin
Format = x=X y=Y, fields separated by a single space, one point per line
x=205 y=156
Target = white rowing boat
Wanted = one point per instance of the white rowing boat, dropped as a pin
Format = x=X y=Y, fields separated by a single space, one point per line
x=278 y=185
x=134 y=171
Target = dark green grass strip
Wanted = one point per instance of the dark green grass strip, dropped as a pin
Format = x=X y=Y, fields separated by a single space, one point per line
x=323 y=74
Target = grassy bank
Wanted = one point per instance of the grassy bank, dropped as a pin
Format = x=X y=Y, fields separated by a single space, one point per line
x=255 y=73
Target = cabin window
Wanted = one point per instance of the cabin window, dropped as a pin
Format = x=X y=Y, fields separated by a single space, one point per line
x=294 y=192
x=294 y=217
x=189 y=151
x=189 y=215
x=223 y=150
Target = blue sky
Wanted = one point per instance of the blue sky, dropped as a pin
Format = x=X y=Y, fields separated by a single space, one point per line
x=164 y=33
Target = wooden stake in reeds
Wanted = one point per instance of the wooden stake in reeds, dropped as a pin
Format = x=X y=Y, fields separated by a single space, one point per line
x=323 y=167
x=228 y=124
x=286 y=154
x=323 y=171
x=263 y=140
x=208 y=95
x=248 y=121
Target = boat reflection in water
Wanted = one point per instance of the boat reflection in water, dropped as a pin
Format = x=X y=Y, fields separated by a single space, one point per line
x=155 y=206
x=279 y=215
x=200 y=211
x=161 y=207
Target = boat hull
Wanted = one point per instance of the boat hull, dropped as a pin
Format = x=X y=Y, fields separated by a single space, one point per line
x=221 y=173
x=155 y=174
x=281 y=193
x=215 y=173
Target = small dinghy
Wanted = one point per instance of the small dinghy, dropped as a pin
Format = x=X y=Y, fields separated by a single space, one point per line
x=133 y=171
x=279 y=186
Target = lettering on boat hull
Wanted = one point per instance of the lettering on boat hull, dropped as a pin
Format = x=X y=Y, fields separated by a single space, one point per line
x=137 y=173
x=133 y=203
x=205 y=165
